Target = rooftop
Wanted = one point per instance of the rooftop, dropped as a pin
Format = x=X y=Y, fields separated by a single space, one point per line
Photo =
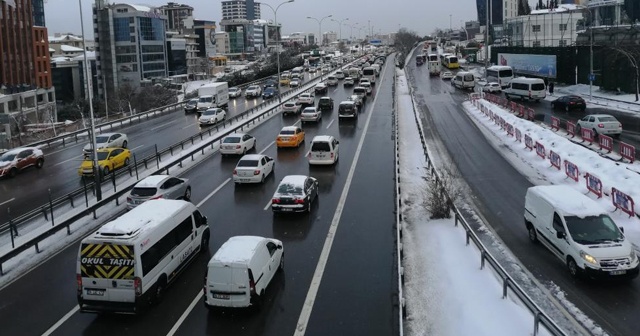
x=237 y=249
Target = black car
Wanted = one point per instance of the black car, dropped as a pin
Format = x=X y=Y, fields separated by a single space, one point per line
x=191 y=106
x=325 y=104
x=569 y=103
x=270 y=83
x=269 y=93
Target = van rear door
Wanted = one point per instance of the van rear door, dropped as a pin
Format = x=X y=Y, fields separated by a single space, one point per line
x=228 y=285
x=107 y=272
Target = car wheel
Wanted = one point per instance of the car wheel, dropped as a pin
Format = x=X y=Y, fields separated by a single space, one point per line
x=39 y=163
x=572 y=266
x=106 y=171
x=281 y=266
x=187 y=194
x=533 y=236
x=13 y=172
x=159 y=293
x=126 y=161
x=204 y=243
x=262 y=179
x=124 y=144
x=595 y=133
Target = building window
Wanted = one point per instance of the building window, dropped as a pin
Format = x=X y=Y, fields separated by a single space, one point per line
x=563 y=27
x=125 y=49
x=562 y=43
x=535 y=28
x=536 y=43
x=133 y=39
x=152 y=49
x=122 y=10
x=126 y=58
x=121 y=29
x=151 y=29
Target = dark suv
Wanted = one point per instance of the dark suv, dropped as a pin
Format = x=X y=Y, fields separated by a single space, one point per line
x=191 y=106
x=569 y=103
x=325 y=104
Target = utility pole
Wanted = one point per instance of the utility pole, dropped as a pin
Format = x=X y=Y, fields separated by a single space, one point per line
x=486 y=41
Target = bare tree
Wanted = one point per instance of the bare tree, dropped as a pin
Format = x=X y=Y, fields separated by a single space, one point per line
x=125 y=95
x=204 y=65
x=633 y=59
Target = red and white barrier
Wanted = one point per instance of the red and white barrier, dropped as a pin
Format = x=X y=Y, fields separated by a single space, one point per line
x=571 y=129
x=518 y=135
x=627 y=151
x=587 y=135
x=555 y=123
x=540 y=150
x=623 y=202
x=554 y=159
x=606 y=143
x=571 y=170
x=594 y=184
x=528 y=142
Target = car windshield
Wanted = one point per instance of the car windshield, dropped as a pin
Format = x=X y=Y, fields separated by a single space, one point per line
x=143 y=191
x=192 y=102
x=309 y=110
x=289 y=105
x=607 y=119
x=233 y=89
x=289 y=189
x=231 y=140
x=8 y=157
x=248 y=163
x=287 y=132
x=593 y=229
x=270 y=90
x=102 y=138
x=209 y=112
x=252 y=87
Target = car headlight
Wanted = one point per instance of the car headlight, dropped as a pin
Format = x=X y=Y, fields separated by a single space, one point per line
x=589 y=258
x=633 y=255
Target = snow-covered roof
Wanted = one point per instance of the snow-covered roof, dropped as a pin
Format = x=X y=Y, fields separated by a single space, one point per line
x=68 y=48
x=52 y=50
x=560 y=9
x=294 y=179
x=64 y=37
x=151 y=181
x=569 y=201
x=289 y=128
x=60 y=59
x=238 y=249
x=144 y=217
x=141 y=8
x=90 y=55
x=324 y=138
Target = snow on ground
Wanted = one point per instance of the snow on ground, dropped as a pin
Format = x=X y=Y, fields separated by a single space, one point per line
x=446 y=291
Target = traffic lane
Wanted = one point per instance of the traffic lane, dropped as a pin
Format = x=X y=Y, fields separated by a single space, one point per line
x=360 y=272
x=499 y=191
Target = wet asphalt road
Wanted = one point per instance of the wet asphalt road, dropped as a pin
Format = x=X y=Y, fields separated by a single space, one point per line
x=60 y=172
x=359 y=281
x=498 y=192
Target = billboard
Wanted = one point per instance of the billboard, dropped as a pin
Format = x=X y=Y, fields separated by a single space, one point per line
x=210 y=40
x=527 y=64
x=273 y=34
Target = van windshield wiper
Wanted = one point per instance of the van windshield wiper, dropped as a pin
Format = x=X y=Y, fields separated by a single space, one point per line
x=585 y=242
x=607 y=240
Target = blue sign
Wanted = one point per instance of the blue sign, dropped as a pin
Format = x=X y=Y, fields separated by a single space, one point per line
x=592 y=77
x=375 y=42
x=527 y=64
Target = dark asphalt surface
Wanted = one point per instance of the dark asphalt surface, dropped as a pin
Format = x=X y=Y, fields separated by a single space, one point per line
x=498 y=192
x=60 y=172
x=358 y=286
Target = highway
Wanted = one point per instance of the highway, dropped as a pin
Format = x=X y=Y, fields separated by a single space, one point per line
x=497 y=193
x=60 y=172
x=358 y=284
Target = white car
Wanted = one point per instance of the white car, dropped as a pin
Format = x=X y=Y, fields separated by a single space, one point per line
x=491 y=87
x=310 y=114
x=253 y=168
x=237 y=143
x=324 y=150
x=367 y=86
x=159 y=187
x=108 y=140
x=253 y=91
x=320 y=88
x=348 y=81
x=212 y=116
x=446 y=75
x=294 y=83
x=332 y=81
x=364 y=81
x=601 y=124
x=290 y=108
x=235 y=92
x=356 y=99
x=340 y=75
x=306 y=99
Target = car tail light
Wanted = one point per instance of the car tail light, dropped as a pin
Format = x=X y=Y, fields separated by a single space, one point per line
x=619 y=125
x=235 y=172
x=238 y=146
x=129 y=199
x=256 y=172
x=137 y=284
x=600 y=125
x=252 y=284
x=157 y=197
x=275 y=200
x=278 y=139
x=204 y=288
x=79 y=283
x=332 y=155
x=299 y=201
x=572 y=103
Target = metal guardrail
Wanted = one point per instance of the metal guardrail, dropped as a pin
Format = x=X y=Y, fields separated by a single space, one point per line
x=508 y=282
x=156 y=157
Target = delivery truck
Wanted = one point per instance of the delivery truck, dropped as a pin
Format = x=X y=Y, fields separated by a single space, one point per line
x=213 y=95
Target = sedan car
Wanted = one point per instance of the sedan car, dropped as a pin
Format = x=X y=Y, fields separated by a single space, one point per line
x=491 y=87
x=313 y=69
x=285 y=81
x=109 y=159
x=340 y=74
x=325 y=104
x=569 y=103
x=295 y=82
x=108 y=140
x=237 y=143
x=348 y=81
x=253 y=168
x=212 y=116
x=290 y=136
x=192 y=105
x=295 y=193
x=601 y=124
x=159 y=186
x=235 y=92
x=18 y=159
x=320 y=88
x=446 y=75
x=310 y=114
x=332 y=80
x=270 y=93
x=291 y=108
x=367 y=86
x=305 y=99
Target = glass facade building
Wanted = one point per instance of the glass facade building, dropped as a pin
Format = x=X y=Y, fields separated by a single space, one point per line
x=38 y=12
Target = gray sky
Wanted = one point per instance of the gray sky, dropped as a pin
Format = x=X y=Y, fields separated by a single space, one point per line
x=421 y=16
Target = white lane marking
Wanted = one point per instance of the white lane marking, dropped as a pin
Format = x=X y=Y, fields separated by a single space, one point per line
x=269 y=145
x=305 y=314
x=65 y=161
x=266 y=207
x=7 y=201
x=185 y=314
x=61 y=321
x=165 y=124
x=330 y=123
x=134 y=148
x=213 y=192
x=188 y=126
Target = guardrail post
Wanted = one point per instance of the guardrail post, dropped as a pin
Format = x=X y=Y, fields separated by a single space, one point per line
x=12 y=231
x=71 y=201
x=171 y=150
x=44 y=212
x=536 y=323
x=505 y=287
x=157 y=156
x=84 y=187
x=53 y=222
x=113 y=181
x=135 y=165
x=482 y=258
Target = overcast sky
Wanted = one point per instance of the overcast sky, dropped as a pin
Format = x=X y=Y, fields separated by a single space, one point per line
x=421 y=16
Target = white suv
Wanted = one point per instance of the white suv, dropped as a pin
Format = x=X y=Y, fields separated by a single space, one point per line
x=253 y=91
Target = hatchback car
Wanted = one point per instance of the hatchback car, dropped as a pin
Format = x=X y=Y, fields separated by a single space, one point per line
x=310 y=114
x=447 y=75
x=212 y=116
x=295 y=193
x=340 y=74
x=108 y=140
x=253 y=168
x=367 y=86
x=320 y=88
x=348 y=81
x=295 y=82
x=109 y=159
x=290 y=136
x=601 y=124
x=269 y=93
x=332 y=81
x=291 y=108
x=159 y=187
x=324 y=150
x=192 y=105
x=237 y=143
x=305 y=99
x=569 y=103
x=347 y=109
x=491 y=87
x=235 y=92
x=18 y=159
x=325 y=104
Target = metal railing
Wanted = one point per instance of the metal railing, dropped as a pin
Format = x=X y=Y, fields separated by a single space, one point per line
x=509 y=285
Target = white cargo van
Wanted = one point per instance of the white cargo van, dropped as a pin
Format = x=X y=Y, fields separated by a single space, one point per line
x=240 y=271
x=526 y=88
x=128 y=263
x=464 y=80
x=324 y=150
x=579 y=232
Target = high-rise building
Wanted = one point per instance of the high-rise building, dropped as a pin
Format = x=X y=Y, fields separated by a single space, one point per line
x=38 y=12
x=206 y=32
x=176 y=13
x=130 y=44
x=240 y=9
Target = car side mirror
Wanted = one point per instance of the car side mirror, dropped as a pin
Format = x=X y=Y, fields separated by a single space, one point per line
x=337 y=142
x=279 y=247
x=622 y=229
x=560 y=235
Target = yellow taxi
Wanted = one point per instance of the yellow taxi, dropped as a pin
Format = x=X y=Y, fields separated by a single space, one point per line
x=285 y=81
x=109 y=159
x=290 y=136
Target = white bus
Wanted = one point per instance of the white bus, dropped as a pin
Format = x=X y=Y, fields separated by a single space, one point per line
x=370 y=74
x=127 y=263
x=500 y=74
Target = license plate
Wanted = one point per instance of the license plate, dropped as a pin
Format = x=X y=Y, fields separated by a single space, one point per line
x=320 y=156
x=221 y=296
x=620 y=272
x=286 y=139
x=286 y=209
x=97 y=292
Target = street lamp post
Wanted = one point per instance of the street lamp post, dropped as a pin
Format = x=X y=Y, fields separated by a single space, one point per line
x=340 y=26
x=96 y=168
x=275 y=20
x=320 y=27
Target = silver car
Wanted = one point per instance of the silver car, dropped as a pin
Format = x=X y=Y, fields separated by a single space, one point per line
x=310 y=114
x=159 y=186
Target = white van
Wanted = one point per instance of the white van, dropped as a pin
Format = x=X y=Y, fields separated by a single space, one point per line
x=324 y=150
x=579 y=232
x=128 y=263
x=464 y=80
x=240 y=271
x=526 y=88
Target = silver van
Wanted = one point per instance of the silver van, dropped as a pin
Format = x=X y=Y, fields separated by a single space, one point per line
x=526 y=88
